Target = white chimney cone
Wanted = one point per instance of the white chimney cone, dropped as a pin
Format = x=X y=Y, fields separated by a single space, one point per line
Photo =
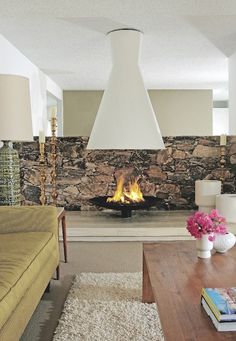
x=125 y=119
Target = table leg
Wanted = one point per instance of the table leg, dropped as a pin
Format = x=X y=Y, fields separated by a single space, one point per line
x=147 y=296
x=63 y=224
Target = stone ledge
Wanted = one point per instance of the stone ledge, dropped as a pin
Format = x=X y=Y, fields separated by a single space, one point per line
x=150 y=226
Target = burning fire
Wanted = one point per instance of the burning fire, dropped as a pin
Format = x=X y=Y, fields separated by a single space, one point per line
x=127 y=194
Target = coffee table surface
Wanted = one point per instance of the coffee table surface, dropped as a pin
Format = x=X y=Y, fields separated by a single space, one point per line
x=173 y=277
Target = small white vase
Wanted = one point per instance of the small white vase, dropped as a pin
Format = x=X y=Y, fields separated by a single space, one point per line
x=204 y=247
x=224 y=242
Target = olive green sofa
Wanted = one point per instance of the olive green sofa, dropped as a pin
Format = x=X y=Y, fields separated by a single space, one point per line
x=29 y=256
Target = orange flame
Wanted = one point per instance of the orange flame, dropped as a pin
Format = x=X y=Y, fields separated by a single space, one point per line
x=129 y=194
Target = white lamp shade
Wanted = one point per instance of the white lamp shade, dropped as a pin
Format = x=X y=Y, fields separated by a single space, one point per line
x=15 y=109
x=125 y=119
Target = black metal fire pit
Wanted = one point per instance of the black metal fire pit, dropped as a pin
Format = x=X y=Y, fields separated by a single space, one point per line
x=125 y=208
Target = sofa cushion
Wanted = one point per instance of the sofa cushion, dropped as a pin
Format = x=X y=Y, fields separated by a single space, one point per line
x=22 y=256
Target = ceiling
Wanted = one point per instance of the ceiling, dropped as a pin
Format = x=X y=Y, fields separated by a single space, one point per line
x=185 y=43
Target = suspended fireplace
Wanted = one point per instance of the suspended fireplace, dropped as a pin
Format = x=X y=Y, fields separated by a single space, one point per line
x=126 y=199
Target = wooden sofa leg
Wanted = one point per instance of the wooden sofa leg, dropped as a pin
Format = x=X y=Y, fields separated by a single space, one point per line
x=58 y=273
x=48 y=287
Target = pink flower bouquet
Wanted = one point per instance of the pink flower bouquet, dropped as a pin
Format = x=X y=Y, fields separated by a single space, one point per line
x=201 y=223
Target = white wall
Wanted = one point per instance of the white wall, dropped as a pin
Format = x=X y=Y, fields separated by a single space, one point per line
x=52 y=103
x=220 y=121
x=232 y=92
x=12 y=61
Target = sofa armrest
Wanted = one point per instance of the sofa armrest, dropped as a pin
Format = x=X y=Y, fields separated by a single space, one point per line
x=28 y=219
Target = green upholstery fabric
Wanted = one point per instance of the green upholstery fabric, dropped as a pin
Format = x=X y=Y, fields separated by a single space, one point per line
x=29 y=255
x=22 y=258
x=28 y=218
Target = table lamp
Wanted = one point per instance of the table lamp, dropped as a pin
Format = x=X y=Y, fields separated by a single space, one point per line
x=15 y=125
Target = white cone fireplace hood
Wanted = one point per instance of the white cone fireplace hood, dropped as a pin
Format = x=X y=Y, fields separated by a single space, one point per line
x=125 y=119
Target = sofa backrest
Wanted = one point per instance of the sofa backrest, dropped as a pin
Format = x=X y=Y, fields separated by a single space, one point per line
x=28 y=218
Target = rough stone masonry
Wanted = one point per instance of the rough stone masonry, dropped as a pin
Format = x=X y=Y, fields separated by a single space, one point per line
x=168 y=174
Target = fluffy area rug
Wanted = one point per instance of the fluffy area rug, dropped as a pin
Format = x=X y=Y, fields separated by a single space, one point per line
x=108 y=307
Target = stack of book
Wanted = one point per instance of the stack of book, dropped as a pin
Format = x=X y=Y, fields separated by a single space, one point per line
x=220 y=305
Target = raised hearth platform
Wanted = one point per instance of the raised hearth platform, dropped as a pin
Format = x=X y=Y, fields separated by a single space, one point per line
x=142 y=226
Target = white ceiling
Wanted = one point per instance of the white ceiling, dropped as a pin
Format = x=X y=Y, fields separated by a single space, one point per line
x=185 y=44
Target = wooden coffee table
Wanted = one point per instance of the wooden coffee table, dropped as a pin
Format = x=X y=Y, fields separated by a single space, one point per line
x=173 y=277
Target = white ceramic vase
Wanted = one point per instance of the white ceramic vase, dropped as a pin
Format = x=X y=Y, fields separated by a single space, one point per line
x=204 y=247
x=224 y=242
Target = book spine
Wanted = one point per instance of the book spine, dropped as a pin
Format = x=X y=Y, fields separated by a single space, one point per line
x=210 y=314
x=211 y=304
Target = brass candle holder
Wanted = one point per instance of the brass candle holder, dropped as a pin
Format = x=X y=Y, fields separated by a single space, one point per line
x=223 y=142
x=42 y=197
x=53 y=143
x=222 y=156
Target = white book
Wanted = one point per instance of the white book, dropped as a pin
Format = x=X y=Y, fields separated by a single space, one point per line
x=220 y=326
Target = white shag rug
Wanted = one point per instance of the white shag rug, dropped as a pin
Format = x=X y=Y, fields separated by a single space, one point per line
x=108 y=307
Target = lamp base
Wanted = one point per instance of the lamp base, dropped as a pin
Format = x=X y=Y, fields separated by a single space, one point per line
x=9 y=176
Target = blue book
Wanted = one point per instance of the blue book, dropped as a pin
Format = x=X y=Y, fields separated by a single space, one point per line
x=222 y=302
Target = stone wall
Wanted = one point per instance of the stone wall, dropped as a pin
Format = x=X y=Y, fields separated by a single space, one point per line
x=169 y=174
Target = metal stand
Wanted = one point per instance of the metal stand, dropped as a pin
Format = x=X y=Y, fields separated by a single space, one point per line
x=222 y=162
x=53 y=143
x=42 y=197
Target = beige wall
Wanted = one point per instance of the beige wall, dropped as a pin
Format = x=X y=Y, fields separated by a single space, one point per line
x=80 y=109
x=179 y=112
x=183 y=112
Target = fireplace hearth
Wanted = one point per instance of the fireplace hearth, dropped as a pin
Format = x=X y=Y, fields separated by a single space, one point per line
x=127 y=198
x=125 y=208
